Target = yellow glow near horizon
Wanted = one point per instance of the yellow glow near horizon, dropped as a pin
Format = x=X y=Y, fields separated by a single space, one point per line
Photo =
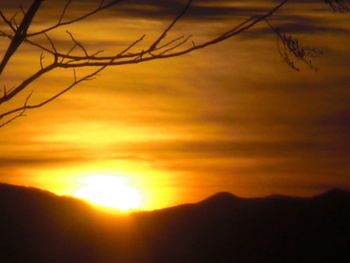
x=156 y=187
x=109 y=191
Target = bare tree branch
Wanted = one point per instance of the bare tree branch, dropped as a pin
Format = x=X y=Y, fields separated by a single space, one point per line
x=289 y=46
x=41 y=60
x=171 y=25
x=156 y=50
x=60 y=22
x=20 y=34
x=64 y=11
x=52 y=44
x=8 y=96
x=162 y=47
x=7 y=21
x=20 y=114
x=26 y=107
x=341 y=6
x=77 y=43
x=143 y=56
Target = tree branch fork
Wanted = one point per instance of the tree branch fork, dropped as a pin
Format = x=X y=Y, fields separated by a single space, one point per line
x=78 y=56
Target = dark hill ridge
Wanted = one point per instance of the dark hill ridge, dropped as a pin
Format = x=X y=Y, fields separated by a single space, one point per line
x=222 y=198
x=38 y=226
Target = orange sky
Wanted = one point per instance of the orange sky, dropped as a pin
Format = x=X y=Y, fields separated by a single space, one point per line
x=233 y=117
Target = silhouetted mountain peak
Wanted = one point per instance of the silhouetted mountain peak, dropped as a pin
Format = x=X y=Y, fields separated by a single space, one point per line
x=221 y=197
x=335 y=193
x=37 y=226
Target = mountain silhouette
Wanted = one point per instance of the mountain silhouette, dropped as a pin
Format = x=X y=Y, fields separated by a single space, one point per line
x=38 y=226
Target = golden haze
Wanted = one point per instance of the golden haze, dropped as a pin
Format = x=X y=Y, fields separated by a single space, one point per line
x=229 y=118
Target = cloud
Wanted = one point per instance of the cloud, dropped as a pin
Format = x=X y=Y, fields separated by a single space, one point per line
x=233 y=114
x=203 y=10
x=9 y=162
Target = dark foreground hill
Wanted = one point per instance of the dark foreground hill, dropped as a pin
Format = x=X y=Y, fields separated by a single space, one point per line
x=37 y=226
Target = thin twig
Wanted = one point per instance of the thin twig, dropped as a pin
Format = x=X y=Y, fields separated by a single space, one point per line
x=77 y=43
x=61 y=23
x=20 y=114
x=171 y=25
x=20 y=33
x=64 y=11
x=7 y=21
x=171 y=48
x=38 y=105
x=26 y=82
x=41 y=60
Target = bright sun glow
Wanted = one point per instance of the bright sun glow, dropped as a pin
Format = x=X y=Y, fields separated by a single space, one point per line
x=109 y=191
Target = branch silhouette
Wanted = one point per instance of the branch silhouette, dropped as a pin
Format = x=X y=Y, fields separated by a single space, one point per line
x=161 y=48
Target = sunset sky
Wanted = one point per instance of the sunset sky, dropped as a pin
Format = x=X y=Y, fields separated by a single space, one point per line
x=231 y=117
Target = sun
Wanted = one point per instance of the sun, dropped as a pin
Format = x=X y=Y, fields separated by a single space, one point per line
x=109 y=191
